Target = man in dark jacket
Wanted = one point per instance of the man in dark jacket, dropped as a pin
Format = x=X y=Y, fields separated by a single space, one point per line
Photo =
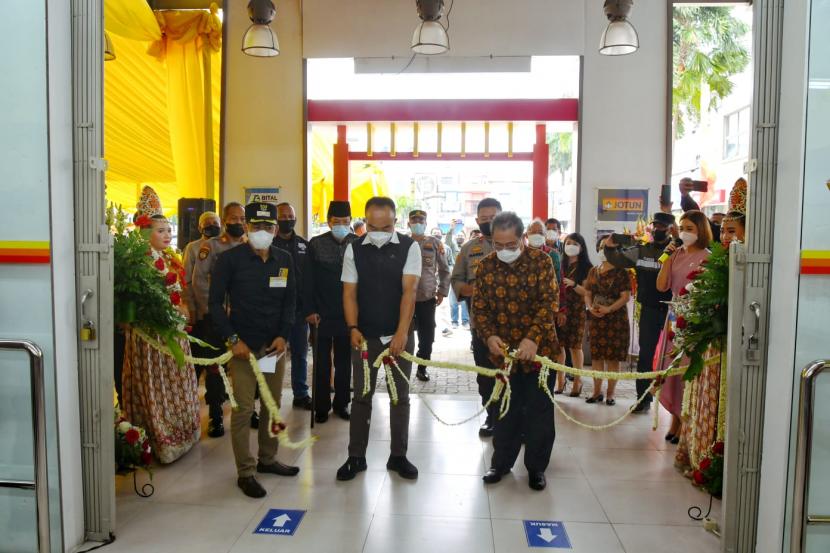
x=645 y=259
x=323 y=306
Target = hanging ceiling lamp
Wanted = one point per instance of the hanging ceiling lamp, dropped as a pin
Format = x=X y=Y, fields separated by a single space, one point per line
x=109 y=51
x=430 y=37
x=260 y=40
x=620 y=36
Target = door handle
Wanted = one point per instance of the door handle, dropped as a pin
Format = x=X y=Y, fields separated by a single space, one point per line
x=754 y=339
x=88 y=293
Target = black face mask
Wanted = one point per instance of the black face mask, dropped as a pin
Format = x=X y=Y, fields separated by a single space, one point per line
x=286 y=226
x=660 y=236
x=236 y=230
x=211 y=231
x=485 y=229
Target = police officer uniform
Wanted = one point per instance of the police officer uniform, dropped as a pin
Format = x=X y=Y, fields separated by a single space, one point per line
x=261 y=306
x=297 y=246
x=199 y=261
x=435 y=280
x=645 y=259
x=464 y=272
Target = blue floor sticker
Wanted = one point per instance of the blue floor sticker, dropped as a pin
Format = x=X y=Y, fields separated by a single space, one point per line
x=280 y=522
x=547 y=533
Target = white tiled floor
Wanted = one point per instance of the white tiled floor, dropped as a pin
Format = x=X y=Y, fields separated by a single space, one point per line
x=616 y=491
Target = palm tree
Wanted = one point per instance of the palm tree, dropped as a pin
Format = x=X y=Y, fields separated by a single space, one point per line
x=708 y=50
x=561 y=154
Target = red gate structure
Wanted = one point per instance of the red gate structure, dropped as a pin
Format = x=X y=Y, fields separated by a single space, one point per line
x=340 y=112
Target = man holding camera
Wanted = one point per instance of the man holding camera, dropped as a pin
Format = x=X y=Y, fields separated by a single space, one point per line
x=645 y=259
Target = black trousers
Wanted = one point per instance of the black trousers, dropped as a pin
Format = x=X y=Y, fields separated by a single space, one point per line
x=652 y=320
x=214 y=386
x=529 y=420
x=336 y=351
x=481 y=355
x=425 y=327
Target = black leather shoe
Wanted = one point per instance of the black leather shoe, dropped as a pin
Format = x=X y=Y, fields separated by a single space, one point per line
x=489 y=425
x=254 y=420
x=595 y=399
x=351 y=467
x=215 y=428
x=493 y=475
x=422 y=375
x=641 y=408
x=321 y=417
x=343 y=413
x=277 y=468
x=303 y=403
x=250 y=487
x=402 y=466
x=537 y=481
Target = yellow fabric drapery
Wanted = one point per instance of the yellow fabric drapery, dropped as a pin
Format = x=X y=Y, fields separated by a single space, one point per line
x=162 y=103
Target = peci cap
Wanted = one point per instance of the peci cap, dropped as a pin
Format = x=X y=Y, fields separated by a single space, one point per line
x=259 y=212
x=663 y=218
x=418 y=213
x=339 y=208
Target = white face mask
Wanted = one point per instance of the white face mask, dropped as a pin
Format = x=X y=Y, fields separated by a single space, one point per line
x=509 y=256
x=572 y=250
x=551 y=235
x=379 y=239
x=601 y=255
x=261 y=239
x=535 y=240
x=688 y=238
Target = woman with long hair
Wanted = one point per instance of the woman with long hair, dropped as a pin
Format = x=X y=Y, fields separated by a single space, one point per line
x=570 y=319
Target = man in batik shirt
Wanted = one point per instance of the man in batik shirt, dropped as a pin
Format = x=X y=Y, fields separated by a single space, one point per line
x=515 y=299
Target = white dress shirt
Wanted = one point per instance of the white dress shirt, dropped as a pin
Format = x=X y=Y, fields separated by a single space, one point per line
x=411 y=267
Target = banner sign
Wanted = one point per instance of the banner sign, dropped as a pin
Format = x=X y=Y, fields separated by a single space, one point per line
x=622 y=204
x=265 y=195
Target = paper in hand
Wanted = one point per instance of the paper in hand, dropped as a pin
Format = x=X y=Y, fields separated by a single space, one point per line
x=268 y=364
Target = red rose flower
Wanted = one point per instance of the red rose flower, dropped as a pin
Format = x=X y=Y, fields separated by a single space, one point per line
x=705 y=463
x=143 y=221
x=277 y=427
x=681 y=323
x=146 y=458
x=364 y=355
x=671 y=335
x=175 y=298
x=387 y=360
x=684 y=292
x=146 y=445
x=132 y=436
x=717 y=449
x=159 y=264
x=171 y=278
x=699 y=478
x=694 y=274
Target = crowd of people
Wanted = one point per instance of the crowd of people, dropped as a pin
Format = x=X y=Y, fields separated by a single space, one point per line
x=252 y=285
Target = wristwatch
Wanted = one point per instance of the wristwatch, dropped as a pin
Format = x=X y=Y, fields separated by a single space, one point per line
x=232 y=340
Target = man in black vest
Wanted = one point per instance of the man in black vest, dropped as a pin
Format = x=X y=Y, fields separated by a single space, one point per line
x=323 y=303
x=380 y=282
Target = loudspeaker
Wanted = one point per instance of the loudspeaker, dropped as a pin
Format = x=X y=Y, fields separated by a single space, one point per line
x=190 y=209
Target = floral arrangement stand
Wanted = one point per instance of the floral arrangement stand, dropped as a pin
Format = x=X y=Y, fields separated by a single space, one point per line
x=132 y=452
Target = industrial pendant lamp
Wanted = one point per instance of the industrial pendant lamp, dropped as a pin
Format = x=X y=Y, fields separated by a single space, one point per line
x=430 y=37
x=620 y=36
x=109 y=51
x=260 y=40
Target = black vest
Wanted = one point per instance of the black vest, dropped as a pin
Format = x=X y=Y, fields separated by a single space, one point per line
x=379 y=285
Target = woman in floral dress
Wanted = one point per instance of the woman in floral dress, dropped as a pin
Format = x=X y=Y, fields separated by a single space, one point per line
x=571 y=316
x=608 y=291
x=158 y=395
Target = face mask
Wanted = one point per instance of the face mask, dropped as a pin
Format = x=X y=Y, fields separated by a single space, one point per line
x=236 y=230
x=485 y=228
x=601 y=256
x=261 y=239
x=340 y=231
x=509 y=256
x=211 y=230
x=688 y=238
x=660 y=235
x=418 y=229
x=286 y=226
x=551 y=235
x=535 y=240
x=572 y=250
x=459 y=241
x=379 y=239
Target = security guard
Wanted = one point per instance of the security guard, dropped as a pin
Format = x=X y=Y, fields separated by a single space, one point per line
x=287 y=239
x=432 y=288
x=645 y=259
x=199 y=265
x=463 y=281
x=253 y=304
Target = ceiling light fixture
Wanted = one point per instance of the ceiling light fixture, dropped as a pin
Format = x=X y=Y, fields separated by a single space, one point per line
x=260 y=40
x=430 y=36
x=620 y=36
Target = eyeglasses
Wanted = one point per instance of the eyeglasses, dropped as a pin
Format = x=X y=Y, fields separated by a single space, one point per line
x=509 y=246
